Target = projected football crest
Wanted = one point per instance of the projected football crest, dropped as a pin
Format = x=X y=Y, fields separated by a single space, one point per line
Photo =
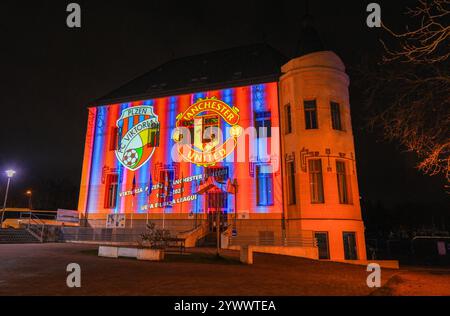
x=138 y=136
x=202 y=119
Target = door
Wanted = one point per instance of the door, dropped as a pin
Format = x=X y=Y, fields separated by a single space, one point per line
x=322 y=244
x=350 y=252
x=212 y=220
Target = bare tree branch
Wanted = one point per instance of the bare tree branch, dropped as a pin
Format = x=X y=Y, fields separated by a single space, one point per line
x=428 y=42
x=407 y=94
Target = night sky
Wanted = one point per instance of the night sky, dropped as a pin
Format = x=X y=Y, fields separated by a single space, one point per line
x=50 y=73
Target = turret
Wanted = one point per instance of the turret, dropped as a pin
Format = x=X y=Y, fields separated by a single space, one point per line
x=320 y=180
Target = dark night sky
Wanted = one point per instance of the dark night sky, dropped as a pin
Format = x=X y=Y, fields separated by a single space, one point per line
x=49 y=73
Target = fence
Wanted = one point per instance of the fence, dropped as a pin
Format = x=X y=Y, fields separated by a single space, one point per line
x=131 y=235
x=300 y=239
x=101 y=234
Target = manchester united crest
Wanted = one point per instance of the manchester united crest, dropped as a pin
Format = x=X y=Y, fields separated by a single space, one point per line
x=212 y=127
x=138 y=136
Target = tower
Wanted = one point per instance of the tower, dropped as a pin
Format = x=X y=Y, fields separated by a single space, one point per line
x=320 y=180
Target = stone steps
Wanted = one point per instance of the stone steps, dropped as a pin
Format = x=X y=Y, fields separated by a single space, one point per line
x=16 y=236
x=210 y=240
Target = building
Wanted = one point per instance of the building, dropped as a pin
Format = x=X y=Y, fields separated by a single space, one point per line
x=264 y=141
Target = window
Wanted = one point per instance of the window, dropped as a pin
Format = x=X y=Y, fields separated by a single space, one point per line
x=316 y=181
x=322 y=244
x=335 y=116
x=288 y=119
x=263 y=124
x=311 y=114
x=113 y=140
x=153 y=136
x=350 y=252
x=264 y=185
x=342 y=183
x=217 y=200
x=219 y=173
x=291 y=182
x=111 y=191
x=166 y=187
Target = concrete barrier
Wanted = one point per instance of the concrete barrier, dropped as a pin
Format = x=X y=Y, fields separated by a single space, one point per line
x=126 y=252
x=246 y=252
x=109 y=252
x=246 y=255
x=387 y=264
x=129 y=252
x=150 y=254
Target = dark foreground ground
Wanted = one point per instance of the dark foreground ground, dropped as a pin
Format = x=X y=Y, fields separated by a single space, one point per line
x=40 y=269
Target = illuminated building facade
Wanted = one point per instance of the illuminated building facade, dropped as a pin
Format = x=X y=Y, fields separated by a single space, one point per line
x=265 y=141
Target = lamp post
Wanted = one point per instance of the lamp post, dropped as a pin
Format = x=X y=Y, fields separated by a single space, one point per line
x=29 y=193
x=235 y=187
x=9 y=173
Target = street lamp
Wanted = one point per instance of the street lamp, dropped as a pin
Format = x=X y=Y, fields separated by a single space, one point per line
x=9 y=173
x=29 y=194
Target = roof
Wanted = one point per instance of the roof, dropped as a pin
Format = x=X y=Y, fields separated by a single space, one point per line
x=232 y=67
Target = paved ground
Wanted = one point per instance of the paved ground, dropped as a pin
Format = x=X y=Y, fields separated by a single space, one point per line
x=40 y=269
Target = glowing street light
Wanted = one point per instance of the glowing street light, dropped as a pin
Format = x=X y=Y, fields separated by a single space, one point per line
x=29 y=193
x=9 y=173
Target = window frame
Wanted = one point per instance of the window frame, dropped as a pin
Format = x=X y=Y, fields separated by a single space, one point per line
x=311 y=114
x=112 y=182
x=288 y=115
x=114 y=139
x=163 y=193
x=343 y=193
x=267 y=178
x=336 y=116
x=292 y=192
x=213 y=171
x=264 y=117
x=316 y=185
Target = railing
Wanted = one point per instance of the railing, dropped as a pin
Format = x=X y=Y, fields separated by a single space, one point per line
x=101 y=234
x=305 y=239
x=36 y=227
x=129 y=234
x=40 y=215
x=13 y=217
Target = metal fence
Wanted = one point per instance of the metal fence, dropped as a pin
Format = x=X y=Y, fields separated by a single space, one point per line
x=302 y=239
x=124 y=235
x=239 y=232
x=87 y=234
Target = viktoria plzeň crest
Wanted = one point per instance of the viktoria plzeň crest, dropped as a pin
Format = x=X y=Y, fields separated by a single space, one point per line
x=138 y=135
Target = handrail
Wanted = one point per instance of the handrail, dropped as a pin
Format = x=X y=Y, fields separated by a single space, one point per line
x=33 y=220
x=42 y=215
x=12 y=210
x=274 y=241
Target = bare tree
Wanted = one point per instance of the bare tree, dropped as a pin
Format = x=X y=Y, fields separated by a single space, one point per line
x=428 y=42
x=409 y=91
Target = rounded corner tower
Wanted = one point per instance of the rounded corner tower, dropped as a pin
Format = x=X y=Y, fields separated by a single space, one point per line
x=320 y=180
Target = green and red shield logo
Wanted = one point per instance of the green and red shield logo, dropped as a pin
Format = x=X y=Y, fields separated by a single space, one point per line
x=138 y=136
